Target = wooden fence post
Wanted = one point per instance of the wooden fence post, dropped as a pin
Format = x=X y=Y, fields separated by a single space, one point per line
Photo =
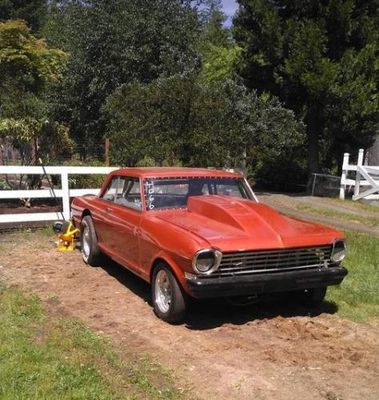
x=358 y=174
x=343 y=175
x=65 y=195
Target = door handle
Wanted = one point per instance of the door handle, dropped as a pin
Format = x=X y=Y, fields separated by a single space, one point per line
x=109 y=210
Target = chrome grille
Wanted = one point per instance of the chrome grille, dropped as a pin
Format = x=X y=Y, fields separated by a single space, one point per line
x=250 y=262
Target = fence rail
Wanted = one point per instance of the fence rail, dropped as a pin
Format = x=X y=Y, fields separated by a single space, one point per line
x=64 y=193
x=365 y=175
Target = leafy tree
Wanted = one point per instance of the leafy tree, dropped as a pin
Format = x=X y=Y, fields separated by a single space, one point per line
x=179 y=120
x=320 y=58
x=150 y=120
x=220 y=55
x=27 y=69
x=32 y=11
x=116 y=42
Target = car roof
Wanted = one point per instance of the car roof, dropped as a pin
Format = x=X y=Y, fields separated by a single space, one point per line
x=174 y=172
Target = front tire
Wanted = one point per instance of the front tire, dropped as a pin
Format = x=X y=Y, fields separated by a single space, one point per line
x=88 y=242
x=168 y=299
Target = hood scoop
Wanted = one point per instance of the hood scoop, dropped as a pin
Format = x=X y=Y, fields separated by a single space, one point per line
x=219 y=209
x=254 y=219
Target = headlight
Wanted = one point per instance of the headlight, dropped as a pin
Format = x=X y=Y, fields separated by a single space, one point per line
x=206 y=261
x=338 y=251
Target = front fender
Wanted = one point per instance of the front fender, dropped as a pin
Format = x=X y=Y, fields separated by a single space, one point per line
x=176 y=266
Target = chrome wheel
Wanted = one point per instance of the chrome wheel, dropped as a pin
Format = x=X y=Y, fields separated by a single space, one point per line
x=86 y=243
x=91 y=254
x=163 y=291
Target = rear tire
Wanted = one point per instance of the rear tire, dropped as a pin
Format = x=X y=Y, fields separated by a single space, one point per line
x=88 y=242
x=168 y=299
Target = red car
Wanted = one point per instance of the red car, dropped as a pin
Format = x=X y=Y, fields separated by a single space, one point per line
x=202 y=233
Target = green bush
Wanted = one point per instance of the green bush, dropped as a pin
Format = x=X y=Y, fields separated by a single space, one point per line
x=4 y=185
x=85 y=181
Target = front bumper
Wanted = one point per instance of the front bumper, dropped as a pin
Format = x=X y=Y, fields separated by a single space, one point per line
x=265 y=282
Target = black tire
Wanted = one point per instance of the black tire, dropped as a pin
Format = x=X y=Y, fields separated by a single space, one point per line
x=314 y=297
x=175 y=310
x=88 y=242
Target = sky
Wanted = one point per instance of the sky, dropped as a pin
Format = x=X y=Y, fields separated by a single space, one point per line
x=229 y=8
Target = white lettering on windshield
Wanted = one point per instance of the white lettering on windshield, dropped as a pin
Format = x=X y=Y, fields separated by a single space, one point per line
x=149 y=189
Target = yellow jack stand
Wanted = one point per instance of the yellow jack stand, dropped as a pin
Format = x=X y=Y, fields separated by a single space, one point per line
x=67 y=239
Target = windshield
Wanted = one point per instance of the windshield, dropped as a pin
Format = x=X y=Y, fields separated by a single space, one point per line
x=174 y=192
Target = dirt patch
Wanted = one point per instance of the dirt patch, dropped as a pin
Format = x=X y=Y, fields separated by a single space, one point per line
x=275 y=350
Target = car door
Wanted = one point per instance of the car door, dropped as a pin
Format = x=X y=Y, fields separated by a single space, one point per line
x=104 y=206
x=125 y=216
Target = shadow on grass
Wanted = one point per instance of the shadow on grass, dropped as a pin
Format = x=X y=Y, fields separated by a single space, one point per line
x=212 y=313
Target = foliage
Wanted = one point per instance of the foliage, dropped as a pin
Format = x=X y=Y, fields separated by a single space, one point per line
x=215 y=124
x=85 y=181
x=219 y=54
x=219 y=63
x=26 y=60
x=320 y=58
x=4 y=185
x=34 y=12
x=114 y=43
x=28 y=68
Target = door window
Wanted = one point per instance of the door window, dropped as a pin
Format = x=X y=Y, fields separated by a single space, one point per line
x=112 y=189
x=128 y=193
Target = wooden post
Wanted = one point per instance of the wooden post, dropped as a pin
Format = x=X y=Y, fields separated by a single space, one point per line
x=343 y=175
x=358 y=174
x=107 y=145
x=65 y=195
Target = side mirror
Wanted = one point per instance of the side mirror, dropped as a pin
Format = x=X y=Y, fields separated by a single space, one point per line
x=58 y=227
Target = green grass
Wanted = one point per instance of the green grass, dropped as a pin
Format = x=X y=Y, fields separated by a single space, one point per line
x=343 y=216
x=358 y=295
x=355 y=205
x=44 y=356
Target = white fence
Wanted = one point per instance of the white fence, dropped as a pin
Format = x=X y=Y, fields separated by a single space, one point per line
x=64 y=193
x=366 y=177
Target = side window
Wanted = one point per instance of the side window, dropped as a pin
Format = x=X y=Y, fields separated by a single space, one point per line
x=111 y=192
x=129 y=194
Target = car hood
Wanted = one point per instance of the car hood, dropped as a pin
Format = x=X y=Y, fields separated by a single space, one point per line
x=232 y=224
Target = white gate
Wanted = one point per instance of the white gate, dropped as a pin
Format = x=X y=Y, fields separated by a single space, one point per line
x=366 y=182
x=64 y=193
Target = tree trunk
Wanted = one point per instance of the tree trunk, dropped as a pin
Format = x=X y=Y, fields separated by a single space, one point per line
x=313 y=158
x=313 y=130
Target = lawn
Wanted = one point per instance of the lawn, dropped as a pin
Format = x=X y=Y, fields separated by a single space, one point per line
x=358 y=296
x=341 y=215
x=43 y=356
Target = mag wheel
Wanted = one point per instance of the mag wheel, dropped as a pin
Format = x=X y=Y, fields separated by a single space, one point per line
x=168 y=299
x=88 y=242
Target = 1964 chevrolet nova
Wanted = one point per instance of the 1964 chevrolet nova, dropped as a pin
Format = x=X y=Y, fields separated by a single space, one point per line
x=202 y=233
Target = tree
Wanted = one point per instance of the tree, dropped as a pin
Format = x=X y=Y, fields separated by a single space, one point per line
x=220 y=55
x=32 y=11
x=114 y=43
x=315 y=55
x=27 y=69
x=218 y=124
